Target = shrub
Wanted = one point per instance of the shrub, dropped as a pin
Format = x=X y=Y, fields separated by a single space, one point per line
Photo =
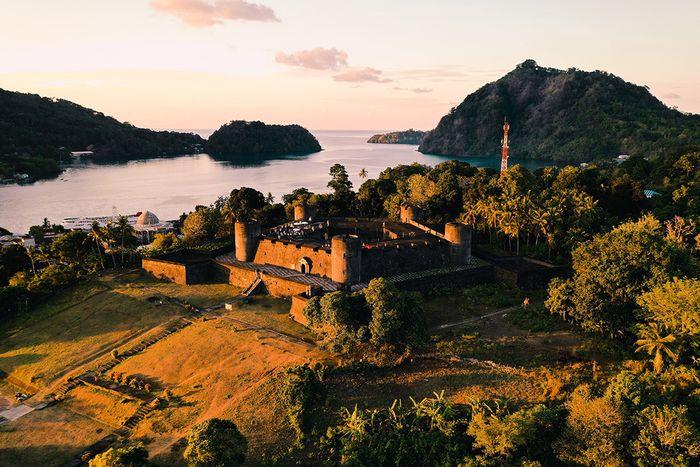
x=131 y=456
x=215 y=442
x=595 y=431
x=429 y=432
x=504 y=436
x=666 y=437
x=301 y=390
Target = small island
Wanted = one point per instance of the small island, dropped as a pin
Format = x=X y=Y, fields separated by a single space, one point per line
x=242 y=138
x=398 y=137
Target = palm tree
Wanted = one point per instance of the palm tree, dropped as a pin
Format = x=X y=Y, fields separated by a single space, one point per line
x=125 y=229
x=652 y=342
x=363 y=174
x=96 y=235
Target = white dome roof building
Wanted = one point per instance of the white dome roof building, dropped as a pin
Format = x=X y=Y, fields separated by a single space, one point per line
x=147 y=218
x=147 y=224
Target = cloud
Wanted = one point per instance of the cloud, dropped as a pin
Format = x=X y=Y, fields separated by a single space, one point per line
x=361 y=75
x=316 y=59
x=203 y=13
x=671 y=95
x=415 y=90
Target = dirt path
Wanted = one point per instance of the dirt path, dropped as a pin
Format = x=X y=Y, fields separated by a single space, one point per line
x=502 y=311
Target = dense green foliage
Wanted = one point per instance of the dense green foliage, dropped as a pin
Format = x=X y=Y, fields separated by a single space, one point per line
x=302 y=390
x=241 y=138
x=569 y=115
x=130 y=456
x=425 y=433
x=612 y=270
x=389 y=320
x=215 y=443
x=35 y=130
x=30 y=275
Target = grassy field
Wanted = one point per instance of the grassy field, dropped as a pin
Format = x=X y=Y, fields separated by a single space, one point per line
x=141 y=285
x=103 y=406
x=52 y=436
x=89 y=320
x=229 y=364
x=221 y=368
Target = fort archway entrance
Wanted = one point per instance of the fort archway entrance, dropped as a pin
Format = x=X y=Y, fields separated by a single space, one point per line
x=304 y=265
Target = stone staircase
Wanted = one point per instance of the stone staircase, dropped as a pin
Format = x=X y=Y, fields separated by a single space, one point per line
x=65 y=388
x=252 y=287
x=139 y=415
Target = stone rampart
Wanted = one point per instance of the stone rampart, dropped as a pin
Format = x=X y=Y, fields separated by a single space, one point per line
x=288 y=254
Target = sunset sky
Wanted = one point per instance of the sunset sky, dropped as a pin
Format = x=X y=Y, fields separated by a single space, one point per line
x=327 y=64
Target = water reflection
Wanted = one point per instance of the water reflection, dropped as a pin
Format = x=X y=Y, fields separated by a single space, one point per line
x=170 y=186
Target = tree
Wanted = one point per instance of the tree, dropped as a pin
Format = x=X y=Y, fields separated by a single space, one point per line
x=397 y=317
x=245 y=202
x=504 y=436
x=72 y=248
x=95 y=234
x=130 y=456
x=340 y=182
x=652 y=341
x=671 y=312
x=301 y=390
x=363 y=174
x=612 y=270
x=202 y=225
x=13 y=259
x=343 y=197
x=215 y=442
x=126 y=234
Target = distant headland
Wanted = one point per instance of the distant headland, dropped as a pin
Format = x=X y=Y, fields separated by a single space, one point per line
x=398 y=137
x=563 y=115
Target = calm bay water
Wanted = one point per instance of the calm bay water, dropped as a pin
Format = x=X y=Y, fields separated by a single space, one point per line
x=171 y=186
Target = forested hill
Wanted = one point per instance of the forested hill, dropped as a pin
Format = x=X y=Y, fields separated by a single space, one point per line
x=398 y=137
x=570 y=115
x=35 y=126
x=242 y=139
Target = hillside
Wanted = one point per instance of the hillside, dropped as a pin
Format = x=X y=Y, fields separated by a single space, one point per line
x=36 y=131
x=241 y=138
x=398 y=137
x=570 y=115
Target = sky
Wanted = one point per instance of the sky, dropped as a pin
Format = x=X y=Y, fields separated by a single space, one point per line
x=330 y=64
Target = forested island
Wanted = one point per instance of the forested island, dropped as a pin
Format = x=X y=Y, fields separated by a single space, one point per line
x=564 y=115
x=37 y=132
x=240 y=139
x=398 y=137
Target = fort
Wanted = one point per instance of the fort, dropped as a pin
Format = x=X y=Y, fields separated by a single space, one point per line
x=311 y=256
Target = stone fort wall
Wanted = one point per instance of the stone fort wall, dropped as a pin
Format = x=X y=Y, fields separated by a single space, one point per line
x=183 y=274
x=287 y=255
x=242 y=277
x=402 y=258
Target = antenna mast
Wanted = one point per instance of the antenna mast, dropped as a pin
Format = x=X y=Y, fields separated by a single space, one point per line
x=504 y=154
